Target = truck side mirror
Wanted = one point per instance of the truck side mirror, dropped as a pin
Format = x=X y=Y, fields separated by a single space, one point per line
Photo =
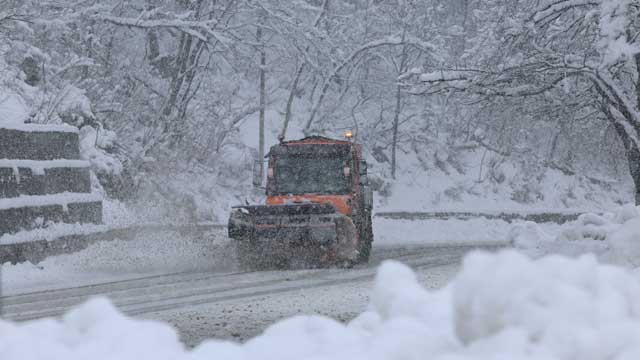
x=368 y=197
x=362 y=165
x=364 y=180
x=257 y=173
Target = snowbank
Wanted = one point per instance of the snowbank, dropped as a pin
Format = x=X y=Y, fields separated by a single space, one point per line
x=612 y=236
x=552 y=308
x=392 y=232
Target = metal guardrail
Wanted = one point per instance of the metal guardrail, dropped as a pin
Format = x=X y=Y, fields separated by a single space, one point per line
x=558 y=218
x=36 y=251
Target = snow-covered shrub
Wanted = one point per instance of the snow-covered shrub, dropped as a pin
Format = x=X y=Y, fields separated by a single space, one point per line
x=39 y=83
x=72 y=106
x=94 y=145
x=500 y=306
x=625 y=242
x=528 y=235
x=526 y=182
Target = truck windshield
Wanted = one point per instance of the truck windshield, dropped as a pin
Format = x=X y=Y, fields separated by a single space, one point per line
x=311 y=175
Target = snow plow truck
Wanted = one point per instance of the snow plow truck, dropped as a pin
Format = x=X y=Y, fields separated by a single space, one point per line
x=317 y=212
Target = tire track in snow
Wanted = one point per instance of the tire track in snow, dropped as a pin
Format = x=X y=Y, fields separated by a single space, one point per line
x=378 y=255
x=181 y=290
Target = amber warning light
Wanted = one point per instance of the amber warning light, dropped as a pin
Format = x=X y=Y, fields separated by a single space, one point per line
x=348 y=134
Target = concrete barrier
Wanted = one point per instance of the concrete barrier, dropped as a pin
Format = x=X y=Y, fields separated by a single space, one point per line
x=34 y=142
x=42 y=178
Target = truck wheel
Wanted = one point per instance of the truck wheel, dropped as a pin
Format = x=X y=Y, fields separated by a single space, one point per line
x=347 y=244
x=246 y=256
x=366 y=240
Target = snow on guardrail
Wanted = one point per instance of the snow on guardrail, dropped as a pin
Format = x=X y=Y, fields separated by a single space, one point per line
x=37 y=245
x=535 y=216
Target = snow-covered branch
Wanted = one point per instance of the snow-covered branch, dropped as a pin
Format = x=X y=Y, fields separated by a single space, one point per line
x=387 y=41
x=554 y=8
x=199 y=29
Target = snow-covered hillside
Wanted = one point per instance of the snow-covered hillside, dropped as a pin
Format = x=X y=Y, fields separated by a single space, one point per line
x=180 y=147
x=485 y=181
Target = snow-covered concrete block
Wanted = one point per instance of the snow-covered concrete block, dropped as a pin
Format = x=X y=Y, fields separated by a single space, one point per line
x=69 y=208
x=47 y=144
x=35 y=177
x=8 y=183
x=42 y=178
x=54 y=181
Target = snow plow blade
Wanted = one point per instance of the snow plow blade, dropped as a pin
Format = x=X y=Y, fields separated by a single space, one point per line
x=297 y=235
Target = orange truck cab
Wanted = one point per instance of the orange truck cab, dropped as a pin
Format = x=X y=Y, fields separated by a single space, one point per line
x=318 y=207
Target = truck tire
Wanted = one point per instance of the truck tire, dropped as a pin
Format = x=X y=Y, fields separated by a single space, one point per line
x=366 y=240
x=347 y=246
x=250 y=258
x=246 y=256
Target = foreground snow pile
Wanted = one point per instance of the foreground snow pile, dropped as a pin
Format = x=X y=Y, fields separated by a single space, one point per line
x=553 y=308
x=502 y=306
x=613 y=236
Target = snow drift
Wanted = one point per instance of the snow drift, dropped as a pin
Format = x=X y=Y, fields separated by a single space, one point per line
x=613 y=236
x=500 y=306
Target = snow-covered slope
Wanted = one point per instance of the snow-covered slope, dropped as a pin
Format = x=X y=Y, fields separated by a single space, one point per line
x=484 y=181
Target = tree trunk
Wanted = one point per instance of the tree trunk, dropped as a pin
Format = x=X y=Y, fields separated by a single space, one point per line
x=633 y=157
x=394 y=142
x=262 y=99
x=632 y=152
x=396 y=116
x=294 y=86
x=637 y=82
x=292 y=94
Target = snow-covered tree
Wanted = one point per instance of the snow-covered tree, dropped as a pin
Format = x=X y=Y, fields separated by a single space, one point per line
x=580 y=57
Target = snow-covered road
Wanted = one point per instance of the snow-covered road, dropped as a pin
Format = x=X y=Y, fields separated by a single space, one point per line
x=204 y=304
x=338 y=294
